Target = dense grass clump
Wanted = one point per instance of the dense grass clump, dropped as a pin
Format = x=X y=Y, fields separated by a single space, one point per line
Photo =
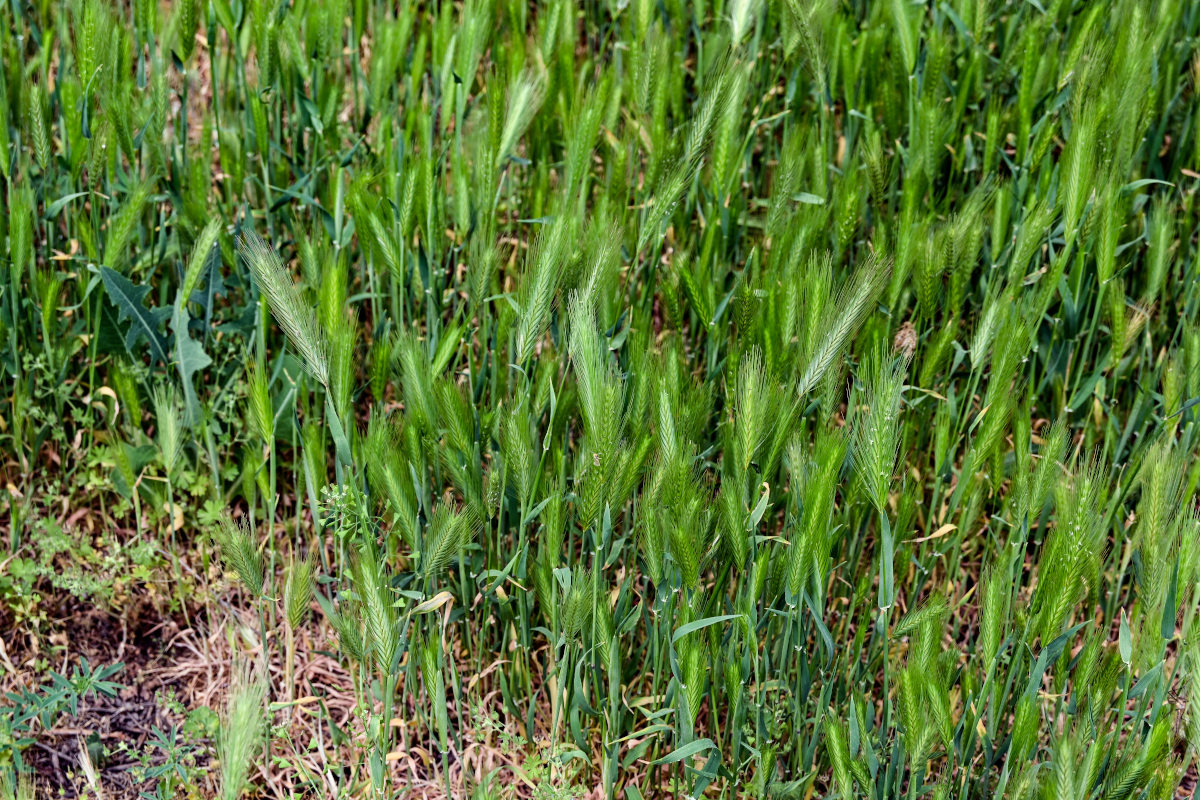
x=749 y=398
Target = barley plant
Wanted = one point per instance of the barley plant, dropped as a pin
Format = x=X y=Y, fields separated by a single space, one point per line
x=609 y=399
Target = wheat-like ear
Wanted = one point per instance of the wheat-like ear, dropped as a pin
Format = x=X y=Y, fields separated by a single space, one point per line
x=546 y=263
x=449 y=533
x=378 y=606
x=877 y=431
x=201 y=250
x=839 y=755
x=20 y=230
x=169 y=423
x=16 y=787
x=693 y=668
x=674 y=181
x=843 y=317
x=36 y=124
x=754 y=416
x=123 y=225
x=582 y=136
x=524 y=99
x=292 y=313
x=240 y=554
x=258 y=402
x=240 y=736
x=350 y=635
x=811 y=45
x=993 y=616
x=297 y=591
x=741 y=17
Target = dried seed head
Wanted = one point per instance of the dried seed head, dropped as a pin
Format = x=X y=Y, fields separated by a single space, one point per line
x=905 y=341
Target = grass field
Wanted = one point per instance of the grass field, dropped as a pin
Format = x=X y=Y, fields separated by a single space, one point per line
x=607 y=399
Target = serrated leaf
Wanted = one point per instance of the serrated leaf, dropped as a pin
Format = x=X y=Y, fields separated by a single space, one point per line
x=214 y=286
x=189 y=358
x=145 y=323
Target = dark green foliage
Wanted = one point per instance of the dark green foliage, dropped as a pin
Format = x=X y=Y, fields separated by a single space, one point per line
x=770 y=398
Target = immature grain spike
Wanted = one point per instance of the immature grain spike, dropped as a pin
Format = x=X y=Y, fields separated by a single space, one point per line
x=525 y=97
x=291 y=311
x=378 y=607
x=240 y=736
x=877 y=430
x=202 y=251
x=842 y=318
x=168 y=418
x=298 y=590
x=240 y=553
